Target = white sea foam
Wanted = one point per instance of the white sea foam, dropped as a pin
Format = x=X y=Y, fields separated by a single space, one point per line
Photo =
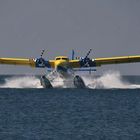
x=109 y=80
x=21 y=82
x=58 y=82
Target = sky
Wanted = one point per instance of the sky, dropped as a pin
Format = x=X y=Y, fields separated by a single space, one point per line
x=109 y=27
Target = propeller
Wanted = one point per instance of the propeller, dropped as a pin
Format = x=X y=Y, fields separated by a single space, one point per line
x=88 y=54
x=41 y=62
x=86 y=61
x=42 y=52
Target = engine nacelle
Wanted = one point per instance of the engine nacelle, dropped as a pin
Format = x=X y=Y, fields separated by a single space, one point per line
x=42 y=63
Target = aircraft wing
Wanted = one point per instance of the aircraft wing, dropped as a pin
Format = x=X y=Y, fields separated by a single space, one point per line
x=17 y=61
x=116 y=60
x=104 y=61
x=40 y=62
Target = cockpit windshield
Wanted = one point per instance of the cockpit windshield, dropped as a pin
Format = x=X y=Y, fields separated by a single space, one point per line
x=64 y=58
x=61 y=58
x=57 y=58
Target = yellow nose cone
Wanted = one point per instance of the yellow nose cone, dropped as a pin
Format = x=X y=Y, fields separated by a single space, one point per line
x=61 y=61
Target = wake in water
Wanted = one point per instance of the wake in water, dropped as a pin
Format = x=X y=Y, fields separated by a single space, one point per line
x=108 y=80
x=21 y=82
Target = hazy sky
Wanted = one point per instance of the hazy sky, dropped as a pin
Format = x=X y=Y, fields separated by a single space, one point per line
x=109 y=27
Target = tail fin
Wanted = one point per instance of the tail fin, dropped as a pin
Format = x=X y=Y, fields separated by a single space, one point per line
x=73 y=53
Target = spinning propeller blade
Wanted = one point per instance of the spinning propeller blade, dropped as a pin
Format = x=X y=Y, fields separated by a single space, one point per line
x=88 y=54
x=42 y=53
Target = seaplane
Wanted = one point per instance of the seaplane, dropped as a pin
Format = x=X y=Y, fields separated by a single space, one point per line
x=65 y=67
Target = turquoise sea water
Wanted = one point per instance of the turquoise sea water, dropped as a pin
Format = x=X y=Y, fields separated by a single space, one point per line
x=68 y=113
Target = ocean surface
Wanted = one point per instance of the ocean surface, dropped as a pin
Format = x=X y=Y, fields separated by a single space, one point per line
x=108 y=110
